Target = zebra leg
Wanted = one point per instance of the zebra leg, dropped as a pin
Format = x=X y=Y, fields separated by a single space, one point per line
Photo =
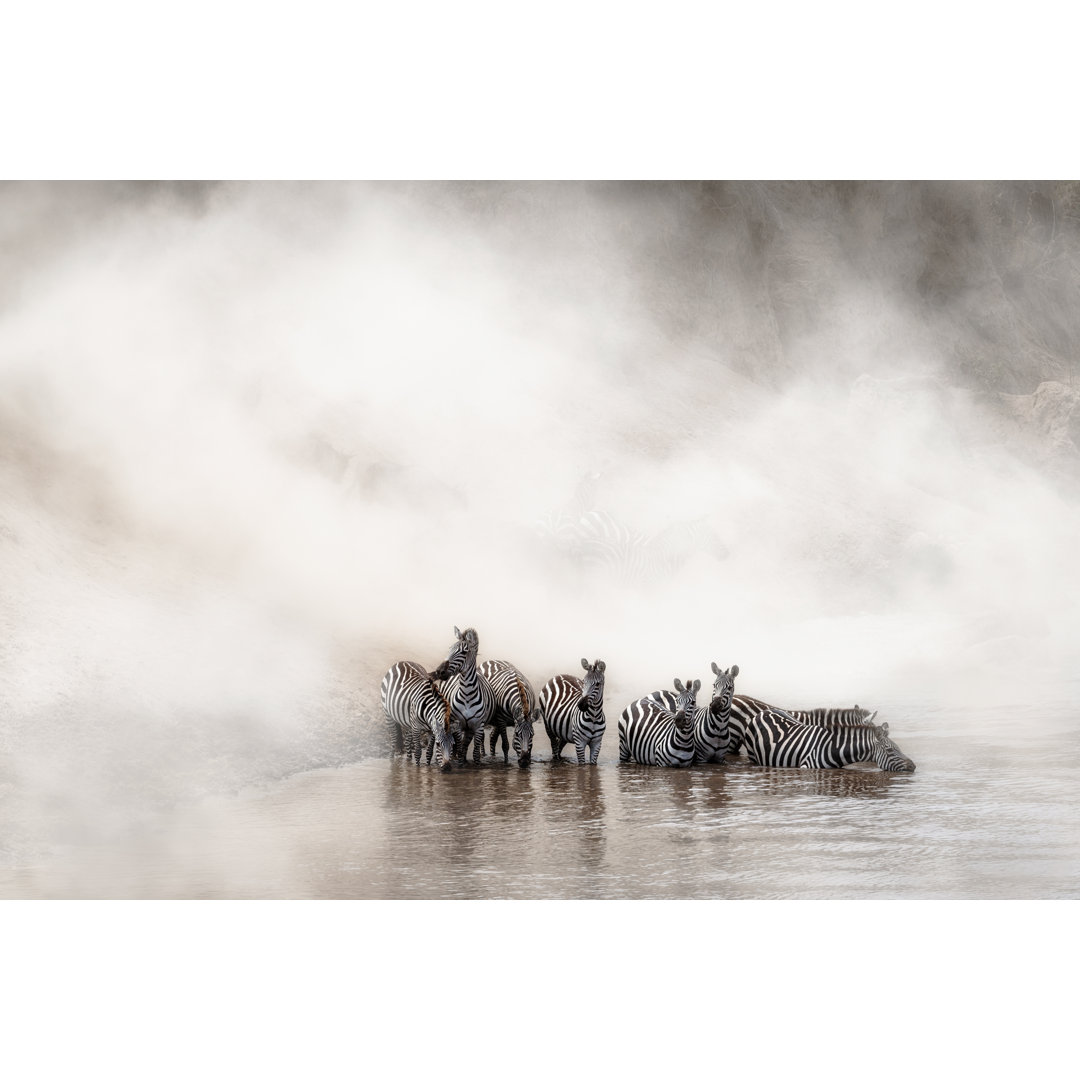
x=505 y=746
x=430 y=751
x=478 y=746
x=494 y=739
x=397 y=739
x=594 y=751
x=579 y=746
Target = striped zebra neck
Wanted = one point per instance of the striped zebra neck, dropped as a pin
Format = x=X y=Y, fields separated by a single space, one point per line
x=593 y=710
x=467 y=674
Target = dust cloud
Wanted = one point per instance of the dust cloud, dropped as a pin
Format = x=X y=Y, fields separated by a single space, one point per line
x=262 y=440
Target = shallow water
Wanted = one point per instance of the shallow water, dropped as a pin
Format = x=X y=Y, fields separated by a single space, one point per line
x=980 y=818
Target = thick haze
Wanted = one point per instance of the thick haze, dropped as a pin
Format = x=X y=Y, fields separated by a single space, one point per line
x=259 y=441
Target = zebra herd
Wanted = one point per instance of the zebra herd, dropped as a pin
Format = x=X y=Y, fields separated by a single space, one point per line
x=444 y=711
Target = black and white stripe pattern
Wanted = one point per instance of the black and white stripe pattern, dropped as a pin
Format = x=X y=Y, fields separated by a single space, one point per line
x=744 y=709
x=712 y=722
x=515 y=705
x=573 y=711
x=472 y=703
x=775 y=739
x=418 y=714
x=652 y=734
x=595 y=541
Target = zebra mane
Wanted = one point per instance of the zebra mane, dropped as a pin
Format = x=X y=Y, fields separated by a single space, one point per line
x=523 y=697
x=444 y=701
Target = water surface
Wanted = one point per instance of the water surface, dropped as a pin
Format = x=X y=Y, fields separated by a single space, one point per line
x=982 y=817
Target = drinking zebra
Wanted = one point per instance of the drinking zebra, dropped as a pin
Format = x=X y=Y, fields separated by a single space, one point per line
x=417 y=713
x=712 y=722
x=652 y=734
x=515 y=703
x=774 y=738
x=472 y=702
x=744 y=709
x=573 y=711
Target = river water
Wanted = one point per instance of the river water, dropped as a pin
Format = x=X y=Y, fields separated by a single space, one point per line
x=984 y=816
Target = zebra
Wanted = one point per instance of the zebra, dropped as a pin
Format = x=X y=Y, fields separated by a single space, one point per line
x=573 y=711
x=745 y=708
x=515 y=703
x=712 y=722
x=652 y=734
x=595 y=540
x=774 y=738
x=472 y=702
x=417 y=713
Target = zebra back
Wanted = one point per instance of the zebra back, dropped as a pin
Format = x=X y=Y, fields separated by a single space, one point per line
x=776 y=739
x=744 y=709
x=833 y=717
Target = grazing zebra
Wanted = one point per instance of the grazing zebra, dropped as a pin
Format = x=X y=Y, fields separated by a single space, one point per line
x=573 y=711
x=417 y=713
x=472 y=702
x=712 y=722
x=773 y=738
x=744 y=709
x=652 y=734
x=515 y=703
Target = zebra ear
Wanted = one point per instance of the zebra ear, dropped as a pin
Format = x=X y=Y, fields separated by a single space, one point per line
x=457 y=633
x=734 y=670
x=697 y=685
x=601 y=666
x=585 y=663
x=679 y=686
x=884 y=727
x=715 y=669
x=872 y=715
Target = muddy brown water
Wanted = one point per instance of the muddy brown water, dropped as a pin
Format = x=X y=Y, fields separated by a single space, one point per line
x=984 y=816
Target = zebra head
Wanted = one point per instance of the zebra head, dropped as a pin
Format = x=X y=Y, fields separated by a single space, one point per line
x=686 y=703
x=523 y=726
x=887 y=755
x=723 y=689
x=592 y=686
x=461 y=652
